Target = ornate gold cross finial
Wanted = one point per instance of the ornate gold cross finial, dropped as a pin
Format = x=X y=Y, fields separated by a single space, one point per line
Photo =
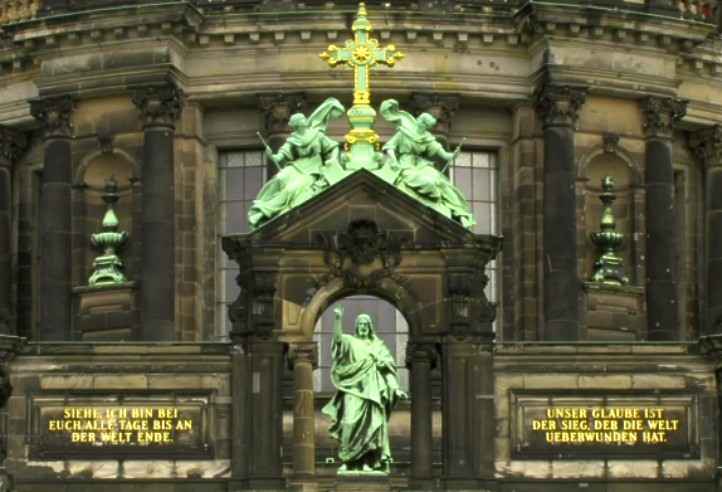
x=361 y=53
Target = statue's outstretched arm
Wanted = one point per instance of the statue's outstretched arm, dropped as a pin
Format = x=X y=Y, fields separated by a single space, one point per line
x=338 y=324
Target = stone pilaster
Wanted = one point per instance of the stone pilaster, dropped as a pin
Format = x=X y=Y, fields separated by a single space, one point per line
x=12 y=145
x=303 y=359
x=662 y=311
x=468 y=412
x=160 y=107
x=558 y=107
x=265 y=470
x=277 y=109
x=440 y=106
x=55 y=222
x=240 y=416
x=707 y=146
x=420 y=359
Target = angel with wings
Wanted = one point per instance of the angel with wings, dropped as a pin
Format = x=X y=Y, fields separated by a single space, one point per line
x=411 y=152
x=308 y=163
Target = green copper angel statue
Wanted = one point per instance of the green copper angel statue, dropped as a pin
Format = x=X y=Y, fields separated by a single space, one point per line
x=411 y=151
x=311 y=161
x=364 y=373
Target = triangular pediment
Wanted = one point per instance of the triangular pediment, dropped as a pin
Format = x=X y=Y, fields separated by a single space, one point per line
x=363 y=195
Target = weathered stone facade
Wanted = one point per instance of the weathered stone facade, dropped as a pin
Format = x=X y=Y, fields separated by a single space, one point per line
x=563 y=93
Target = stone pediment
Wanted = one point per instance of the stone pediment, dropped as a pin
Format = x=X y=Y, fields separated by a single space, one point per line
x=363 y=196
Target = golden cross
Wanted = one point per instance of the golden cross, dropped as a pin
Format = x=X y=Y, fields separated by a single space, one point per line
x=361 y=53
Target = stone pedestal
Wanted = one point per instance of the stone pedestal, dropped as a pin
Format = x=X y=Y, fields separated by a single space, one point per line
x=614 y=312
x=107 y=313
x=363 y=483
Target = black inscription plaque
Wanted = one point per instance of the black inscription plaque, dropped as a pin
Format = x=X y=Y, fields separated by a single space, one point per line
x=119 y=426
x=594 y=425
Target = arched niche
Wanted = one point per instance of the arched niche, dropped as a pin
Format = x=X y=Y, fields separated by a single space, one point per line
x=627 y=207
x=89 y=208
x=383 y=314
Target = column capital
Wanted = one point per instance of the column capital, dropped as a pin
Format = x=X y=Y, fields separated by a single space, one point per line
x=440 y=106
x=160 y=105
x=660 y=114
x=707 y=145
x=12 y=144
x=303 y=352
x=421 y=352
x=54 y=114
x=559 y=105
x=278 y=108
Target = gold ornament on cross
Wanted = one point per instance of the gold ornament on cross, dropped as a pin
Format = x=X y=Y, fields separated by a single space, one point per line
x=361 y=53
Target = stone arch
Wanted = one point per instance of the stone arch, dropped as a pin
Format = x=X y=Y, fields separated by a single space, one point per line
x=88 y=182
x=387 y=289
x=587 y=158
x=630 y=180
x=120 y=154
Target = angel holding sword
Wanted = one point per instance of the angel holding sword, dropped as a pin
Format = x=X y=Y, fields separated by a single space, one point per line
x=410 y=151
x=308 y=163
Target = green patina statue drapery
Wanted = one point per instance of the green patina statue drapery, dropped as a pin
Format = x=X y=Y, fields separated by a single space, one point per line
x=364 y=372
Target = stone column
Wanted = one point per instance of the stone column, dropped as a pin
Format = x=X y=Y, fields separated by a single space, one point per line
x=707 y=145
x=662 y=314
x=558 y=107
x=12 y=144
x=277 y=109
x=459 y=441
x=160 y=106
x=420 y=359
x=266 y=373
x=241 y=444
x=304 y=358
x=55 y=222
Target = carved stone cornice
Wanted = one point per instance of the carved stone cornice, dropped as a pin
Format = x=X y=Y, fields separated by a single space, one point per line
x=707 y=145
x=12 y=144
x=559 y=105
x=278 y=108
x=303 y=352
x=54 y=114
x=419 y=352
x=442 y=107
x=160 y=105
x=660 y=114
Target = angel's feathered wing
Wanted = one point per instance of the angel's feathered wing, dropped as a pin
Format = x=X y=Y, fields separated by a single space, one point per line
x=390 y=111
x=328 y=110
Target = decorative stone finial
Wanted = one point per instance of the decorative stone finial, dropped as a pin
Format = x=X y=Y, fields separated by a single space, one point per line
x=107 y=267
x=608 y=269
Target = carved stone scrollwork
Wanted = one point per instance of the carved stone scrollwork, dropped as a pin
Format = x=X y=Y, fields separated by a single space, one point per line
x=610 y=142
x=362 y=255
x=12 y=144
x=470 y=310
x=660 y=114
x=54 y=114
x=159 y=105
x=422 y=352
x=707 y=145
x=303 y=353
x=278 y=108
x=560 y=105
x=252 y=311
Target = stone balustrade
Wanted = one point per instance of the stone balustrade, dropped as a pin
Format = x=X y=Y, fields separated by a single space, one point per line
x=703 y=10
x=18 y=10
